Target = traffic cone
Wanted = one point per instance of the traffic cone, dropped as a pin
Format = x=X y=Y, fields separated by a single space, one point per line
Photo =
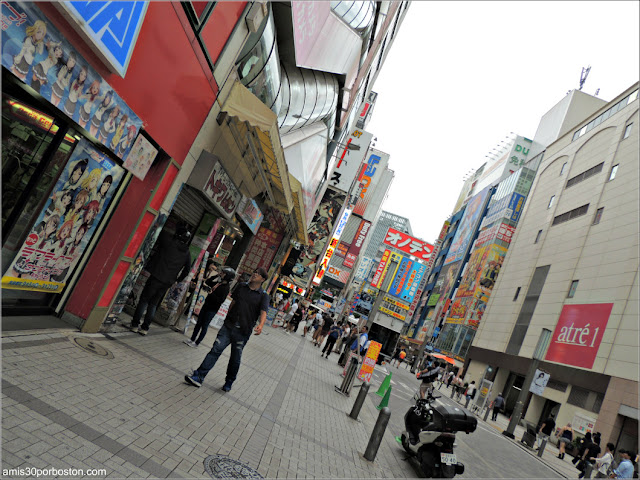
x=385 y=400
x=384 y=385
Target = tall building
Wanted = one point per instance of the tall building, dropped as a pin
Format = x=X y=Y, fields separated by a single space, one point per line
x=572 y=268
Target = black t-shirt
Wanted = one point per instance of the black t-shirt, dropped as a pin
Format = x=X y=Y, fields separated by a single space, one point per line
x=593 y=450
x=246 y=308
x=216 y=297
x=549 y=425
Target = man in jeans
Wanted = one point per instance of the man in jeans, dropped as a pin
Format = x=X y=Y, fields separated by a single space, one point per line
x=546 y=430
x=249 y=305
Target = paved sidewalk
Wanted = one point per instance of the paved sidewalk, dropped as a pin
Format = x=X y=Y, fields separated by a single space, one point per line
x=126 y=408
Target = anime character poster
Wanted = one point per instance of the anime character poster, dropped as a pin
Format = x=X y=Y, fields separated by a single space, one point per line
x=39 y=55
x=140 y=158
x=66 y=223
x=319 y=232
x=468 y=225
x=471 y=275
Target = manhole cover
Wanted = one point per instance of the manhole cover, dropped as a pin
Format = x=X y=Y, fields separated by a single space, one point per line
x=88 y=345
x=221 y=466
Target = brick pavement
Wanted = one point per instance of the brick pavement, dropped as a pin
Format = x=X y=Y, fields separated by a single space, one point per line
x=134 y=415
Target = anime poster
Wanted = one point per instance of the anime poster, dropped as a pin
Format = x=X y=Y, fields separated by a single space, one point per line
x=491 y=265
x=475 y=266
x=35 y=52
x=319 y=232
x=466 y=230
x=449 y=275
x=67 y=222
x=140 y=158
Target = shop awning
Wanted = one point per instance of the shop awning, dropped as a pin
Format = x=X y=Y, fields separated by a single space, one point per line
x=252 y=124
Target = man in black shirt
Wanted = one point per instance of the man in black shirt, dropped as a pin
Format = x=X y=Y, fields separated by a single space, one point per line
x=546 y=430
x=249 y=304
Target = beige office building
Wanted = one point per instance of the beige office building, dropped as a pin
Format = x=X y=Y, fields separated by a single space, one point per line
x=572 y=268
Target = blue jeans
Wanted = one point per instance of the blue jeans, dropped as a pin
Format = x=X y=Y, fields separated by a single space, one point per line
x=226 y=336
x=202 y=325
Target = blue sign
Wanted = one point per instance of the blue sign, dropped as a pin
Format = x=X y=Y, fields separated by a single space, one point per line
x=113 y=27
x=414 y=278
x=515 y=205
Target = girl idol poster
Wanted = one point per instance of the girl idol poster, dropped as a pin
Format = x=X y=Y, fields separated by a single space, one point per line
x=66 y=223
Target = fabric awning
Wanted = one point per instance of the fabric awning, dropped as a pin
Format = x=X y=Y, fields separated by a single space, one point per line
x=253 y=124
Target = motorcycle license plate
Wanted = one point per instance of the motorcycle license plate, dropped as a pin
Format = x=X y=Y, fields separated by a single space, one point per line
x=448 y=458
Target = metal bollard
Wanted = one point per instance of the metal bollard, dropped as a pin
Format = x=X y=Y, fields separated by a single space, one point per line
x=377 y=434
x=453 y=391
x=349 y=377
x=357 y=405
x=541 y=449
x=588 y=469
x=486 y=414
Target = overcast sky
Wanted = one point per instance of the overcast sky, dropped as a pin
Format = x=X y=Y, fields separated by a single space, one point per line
x=461 y=76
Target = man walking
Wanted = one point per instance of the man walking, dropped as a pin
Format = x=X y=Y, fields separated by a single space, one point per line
x=471 y=393
x=169 y=264
x=625 y=469
x=545 y=430
x=498 y=404
x=334 y=333
x=249 y=305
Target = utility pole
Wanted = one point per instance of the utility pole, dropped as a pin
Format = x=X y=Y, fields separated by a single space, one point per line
x=538 y=355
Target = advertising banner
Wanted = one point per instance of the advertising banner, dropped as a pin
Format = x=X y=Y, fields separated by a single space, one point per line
x=467 y=228
x=433 y=299
x=39 y=55
x=338 y=274
x=333 y=243
x=516 y=204
x=582 y=424
x=471 y=276
x=142 y=155
x=368 y=179
x=399 y=281
x=364 y=267
x=261 y=251
x=505 y=232
x=342 y=249
x=578 y=333
x=414 y=278
x=222 y=191
x=540 y=380
x=319 y=232
x=356 y=245
x=381 y=271
x=350 y=160
x=250 y=213
x=449 y=275
x=408 y=244
x=67 y=222
x=369 y=362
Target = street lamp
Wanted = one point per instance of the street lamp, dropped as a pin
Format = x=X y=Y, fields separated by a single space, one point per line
x=538 y=355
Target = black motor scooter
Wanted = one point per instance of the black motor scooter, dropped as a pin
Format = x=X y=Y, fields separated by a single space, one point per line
x=430 y=434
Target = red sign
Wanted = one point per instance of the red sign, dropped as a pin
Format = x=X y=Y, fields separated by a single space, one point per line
x=578 y=334
x=381 y=268
x=358 y=240
x=261 y=251
x=505 y=232
x=342 y=250
x=408 y=244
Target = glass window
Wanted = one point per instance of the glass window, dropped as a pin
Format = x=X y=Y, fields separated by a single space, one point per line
x=573 y=288
x=627 y=131
x=515 y=297
x=614 y=170
x=551 y=200
x=538 y=237
x=596 y=219
x=564 y=167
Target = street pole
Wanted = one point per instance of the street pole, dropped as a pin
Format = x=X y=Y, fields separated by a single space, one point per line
x=538 y=355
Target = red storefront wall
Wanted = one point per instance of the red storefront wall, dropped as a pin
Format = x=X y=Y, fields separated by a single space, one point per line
x=171 y=88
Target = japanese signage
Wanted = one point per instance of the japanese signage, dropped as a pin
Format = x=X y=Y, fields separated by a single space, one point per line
x=381 y=271
x=364 y=267
x=338 y=274
x=369 y=362
x=342 y=249
x=142 y=155
x=261 y=250
x=333 y=243
x=111 y=27
x=67 y=222
x=319 y=231
x=516 y=204
x=467 y=228
x=577 y=336
x=350 y=159
x=356 y=245
x=505 y=232
x=368 y=179
x=582 y=424
x=414 y=277
x=408 y=244
x=519 y=152
x=250 y=213
x=221 y=190
x=39 y=55
x=539 y=383
x=433 y=299
x=397 y=285
x=392 y=313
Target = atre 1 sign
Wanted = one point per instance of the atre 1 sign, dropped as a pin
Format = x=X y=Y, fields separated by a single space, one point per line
x=578 y=334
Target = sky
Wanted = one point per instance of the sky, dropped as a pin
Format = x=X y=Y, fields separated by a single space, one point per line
x=461 y=76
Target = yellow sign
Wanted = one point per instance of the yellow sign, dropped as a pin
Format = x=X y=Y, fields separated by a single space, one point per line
x=455 y=320
x=392 y=314
x=395 y=302
x=369 y=362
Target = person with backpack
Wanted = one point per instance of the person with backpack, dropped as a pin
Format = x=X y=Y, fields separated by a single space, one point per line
x=334 y=333
x=358 y=345
x=604 y=463
x=249 y=306
x=498 y=405
x=471 y=393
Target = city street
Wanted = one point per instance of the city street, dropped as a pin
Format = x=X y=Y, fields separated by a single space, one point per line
x=121 y=404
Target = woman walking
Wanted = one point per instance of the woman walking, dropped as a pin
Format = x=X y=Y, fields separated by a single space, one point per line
x=566 y=436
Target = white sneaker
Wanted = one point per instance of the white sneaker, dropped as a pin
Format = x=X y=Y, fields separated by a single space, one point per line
x=191 y=343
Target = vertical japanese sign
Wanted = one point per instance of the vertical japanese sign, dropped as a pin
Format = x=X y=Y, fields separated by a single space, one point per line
x=356 y=245
x=67 y=222
x=350 y=159
x=221 y=190
x=333 y=244
x=412 y=283
x=369 y=362
x=369 y=177
x=40 y=56
x=261 y=251
x=401 y=277
x=381 y=271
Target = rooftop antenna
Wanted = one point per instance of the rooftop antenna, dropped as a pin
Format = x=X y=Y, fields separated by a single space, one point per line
x=584 y=75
